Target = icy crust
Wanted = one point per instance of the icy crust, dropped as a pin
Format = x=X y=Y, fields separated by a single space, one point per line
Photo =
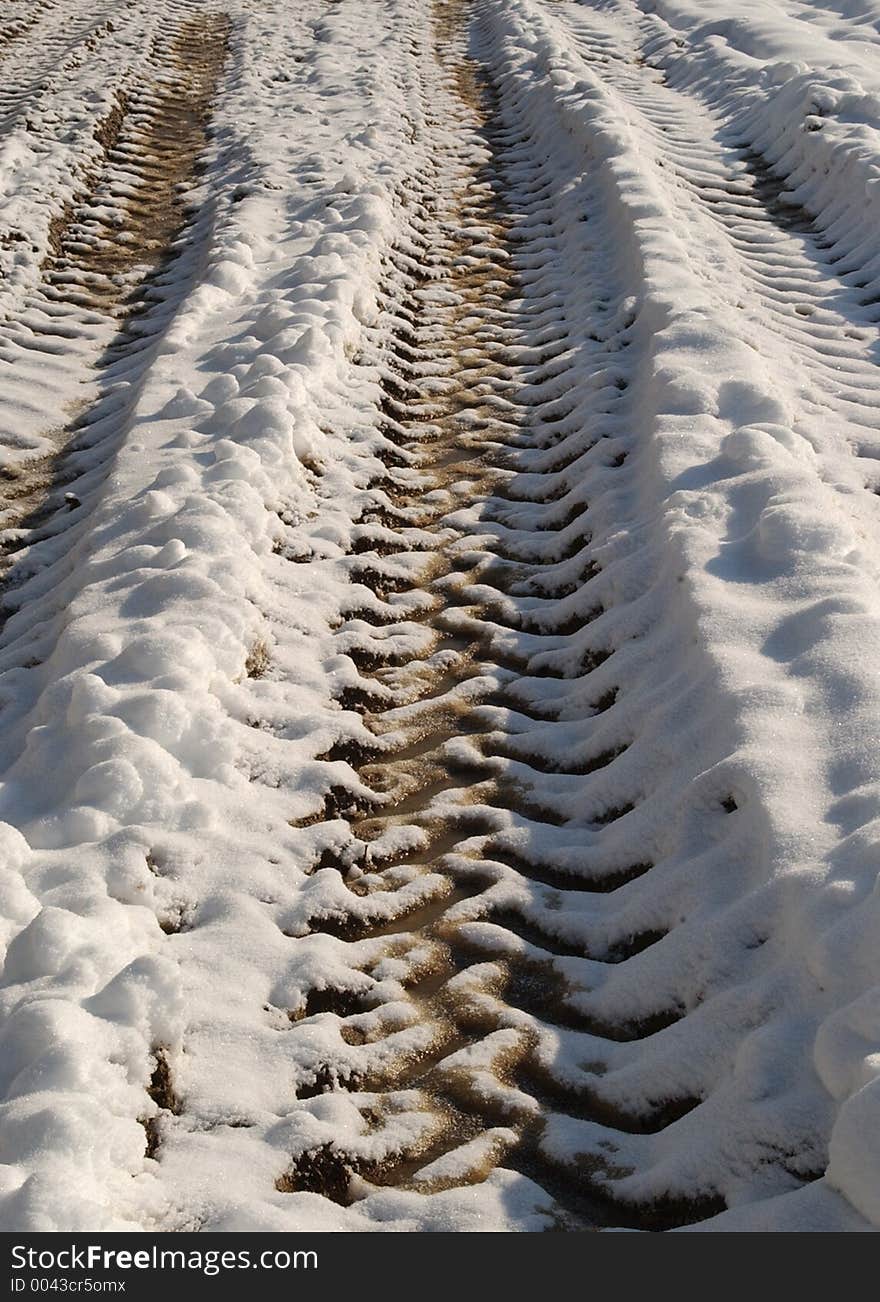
x=170 y=681
x=772 y=582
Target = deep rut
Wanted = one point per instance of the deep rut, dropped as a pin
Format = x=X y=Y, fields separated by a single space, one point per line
x=463 y=698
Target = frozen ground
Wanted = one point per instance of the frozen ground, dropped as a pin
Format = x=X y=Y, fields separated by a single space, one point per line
x=440 y=564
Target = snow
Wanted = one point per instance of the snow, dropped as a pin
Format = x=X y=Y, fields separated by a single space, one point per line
x=177 y=644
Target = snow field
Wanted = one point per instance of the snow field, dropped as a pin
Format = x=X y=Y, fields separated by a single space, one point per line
x=439 y=777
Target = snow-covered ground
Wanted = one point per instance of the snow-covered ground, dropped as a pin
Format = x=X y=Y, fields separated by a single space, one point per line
x=439 y=701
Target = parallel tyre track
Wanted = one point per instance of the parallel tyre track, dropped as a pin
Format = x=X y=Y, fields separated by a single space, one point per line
x=110 y=281
x=455 y=863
